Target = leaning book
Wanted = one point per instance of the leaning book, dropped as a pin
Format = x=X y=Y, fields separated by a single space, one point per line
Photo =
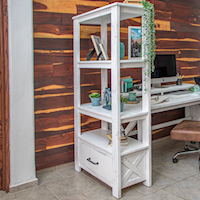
x=123 y=142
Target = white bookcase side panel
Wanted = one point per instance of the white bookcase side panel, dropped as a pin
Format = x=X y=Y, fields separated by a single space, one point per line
x=77 y=117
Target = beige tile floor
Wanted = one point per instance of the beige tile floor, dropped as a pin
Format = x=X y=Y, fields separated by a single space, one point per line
x=170 y=181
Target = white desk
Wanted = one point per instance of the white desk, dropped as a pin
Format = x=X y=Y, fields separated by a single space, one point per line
x=191 y=103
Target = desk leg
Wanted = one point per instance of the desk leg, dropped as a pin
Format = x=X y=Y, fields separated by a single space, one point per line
x=193 y=111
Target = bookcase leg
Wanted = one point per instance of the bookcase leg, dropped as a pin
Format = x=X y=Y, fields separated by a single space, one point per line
x=116 y=192
x=115 y=82
x=77 y=168
x=148 y=181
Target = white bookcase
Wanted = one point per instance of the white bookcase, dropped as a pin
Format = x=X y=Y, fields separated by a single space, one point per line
x=118 y=166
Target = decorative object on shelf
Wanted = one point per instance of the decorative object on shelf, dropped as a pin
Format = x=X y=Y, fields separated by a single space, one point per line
x=179 y=79
x=103 y=51
x=134 y=41
x=132 y=96
x=107 y=98
x=179 y=82
x=99 y=48
x=122 y=101
x=195 y=88
x=126 y=85
x=137 y=100
x=149 y=31
x=95 y=98
x=123 y=141
x=133 y=1
x=122 y=50
x=138 y=87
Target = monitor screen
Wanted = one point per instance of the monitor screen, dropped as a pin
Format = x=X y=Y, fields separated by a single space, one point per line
x=165 y=66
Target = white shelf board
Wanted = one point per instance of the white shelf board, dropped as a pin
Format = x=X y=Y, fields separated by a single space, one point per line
x=130 y=112
x=98 y=139
x=133 y=63
x=95 y=64
x=107 y=64
x=97 y=16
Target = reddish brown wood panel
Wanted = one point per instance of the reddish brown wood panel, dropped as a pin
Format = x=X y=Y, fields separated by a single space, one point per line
x=4 y=100
x=177 y=32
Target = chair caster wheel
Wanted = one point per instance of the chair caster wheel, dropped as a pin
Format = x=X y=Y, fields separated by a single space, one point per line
x=186 y=149
x=175 y=160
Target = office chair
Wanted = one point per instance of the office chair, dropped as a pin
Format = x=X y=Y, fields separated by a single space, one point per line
x=187 y=130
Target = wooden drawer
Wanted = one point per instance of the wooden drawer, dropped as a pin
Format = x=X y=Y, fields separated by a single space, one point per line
x=97 y=162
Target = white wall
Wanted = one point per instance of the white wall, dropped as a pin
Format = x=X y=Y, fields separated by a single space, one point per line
x=21 y=87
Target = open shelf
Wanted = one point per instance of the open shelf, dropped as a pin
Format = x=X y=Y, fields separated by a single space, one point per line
x=98 y=139
x=131 y=112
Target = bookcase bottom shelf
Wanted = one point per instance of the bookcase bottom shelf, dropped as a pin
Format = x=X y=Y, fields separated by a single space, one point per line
x=97 y=139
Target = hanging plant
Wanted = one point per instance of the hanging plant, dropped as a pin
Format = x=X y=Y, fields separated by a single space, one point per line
x=149 y=33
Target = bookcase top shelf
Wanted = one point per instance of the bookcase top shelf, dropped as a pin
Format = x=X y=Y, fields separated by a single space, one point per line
x=107 y=64
x=103 y=14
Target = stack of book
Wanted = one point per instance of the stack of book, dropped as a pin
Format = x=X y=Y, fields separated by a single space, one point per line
x=126 y=84
x=124 y=140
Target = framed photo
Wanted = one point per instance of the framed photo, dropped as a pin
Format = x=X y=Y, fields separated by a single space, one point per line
x=134 y=42
x=99 y=47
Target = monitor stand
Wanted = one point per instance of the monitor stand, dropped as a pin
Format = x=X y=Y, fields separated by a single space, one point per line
x=158 y=85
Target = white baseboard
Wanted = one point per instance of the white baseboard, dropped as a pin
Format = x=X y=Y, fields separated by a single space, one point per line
x=24 y=186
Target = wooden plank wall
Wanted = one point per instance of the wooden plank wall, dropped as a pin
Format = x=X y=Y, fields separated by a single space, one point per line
x=177 y=31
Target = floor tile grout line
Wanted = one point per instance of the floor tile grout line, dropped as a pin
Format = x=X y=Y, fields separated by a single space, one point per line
x=51 y=181
x=175 y=194
x=159 y=190
x=51 y=191
x=62 y=175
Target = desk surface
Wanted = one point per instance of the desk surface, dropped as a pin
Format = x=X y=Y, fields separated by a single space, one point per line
x=173 y=103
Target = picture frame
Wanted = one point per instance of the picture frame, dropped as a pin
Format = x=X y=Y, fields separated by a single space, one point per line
x=99 y=48
x=134 y=42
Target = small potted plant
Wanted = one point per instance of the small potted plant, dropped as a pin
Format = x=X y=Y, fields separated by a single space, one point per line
x=95 y=98
x=122 y=101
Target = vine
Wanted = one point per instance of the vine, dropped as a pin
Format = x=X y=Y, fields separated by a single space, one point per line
x=149 y=34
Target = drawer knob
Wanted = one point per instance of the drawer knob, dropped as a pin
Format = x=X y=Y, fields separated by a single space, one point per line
x=89 y=160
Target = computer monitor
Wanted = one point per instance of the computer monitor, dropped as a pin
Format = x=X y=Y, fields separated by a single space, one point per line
x=165 y=70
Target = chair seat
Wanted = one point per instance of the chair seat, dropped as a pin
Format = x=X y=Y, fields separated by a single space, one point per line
x=187 y=130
